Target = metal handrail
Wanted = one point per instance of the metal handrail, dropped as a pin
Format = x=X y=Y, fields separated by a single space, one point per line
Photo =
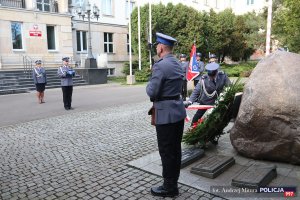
x=27 y=65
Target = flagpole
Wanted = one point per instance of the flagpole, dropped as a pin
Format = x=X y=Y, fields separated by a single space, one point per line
x=130 y=56
x=150 y=32
x=269 y=23
x=130 y=77
x=139 y=35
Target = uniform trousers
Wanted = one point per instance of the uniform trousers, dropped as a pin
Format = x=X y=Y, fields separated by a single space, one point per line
x=169 y=145
x=67 y=95
x=198 y=115
x=184 y=90
x=195 y=82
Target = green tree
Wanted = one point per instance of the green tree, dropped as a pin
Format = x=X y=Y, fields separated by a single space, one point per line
x=182 y=22
x=286 y=24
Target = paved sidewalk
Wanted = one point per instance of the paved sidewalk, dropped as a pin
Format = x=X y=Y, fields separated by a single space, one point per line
x=287 y=174
x=82 y=155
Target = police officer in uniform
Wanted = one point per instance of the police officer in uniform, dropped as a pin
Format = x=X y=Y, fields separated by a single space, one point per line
x=164 y=89
x=40 y=80
x=212 y=58
x=66 y=73
x=208 y=88
x=201 y=68
x=184 y=66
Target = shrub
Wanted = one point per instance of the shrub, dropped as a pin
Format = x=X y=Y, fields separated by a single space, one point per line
x=242 y=69
x=126 y=69
x=143 y=75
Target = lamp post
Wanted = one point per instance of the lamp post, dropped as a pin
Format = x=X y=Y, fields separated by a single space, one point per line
x=83 y=12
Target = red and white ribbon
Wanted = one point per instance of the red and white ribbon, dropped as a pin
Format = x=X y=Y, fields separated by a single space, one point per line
x=197 y=107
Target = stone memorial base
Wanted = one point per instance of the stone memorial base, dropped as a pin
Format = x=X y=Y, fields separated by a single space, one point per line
x=130 y=79
x=255 y=176
x=191 y=155
x=91 y=63
x=93 y=76
x=213 y=166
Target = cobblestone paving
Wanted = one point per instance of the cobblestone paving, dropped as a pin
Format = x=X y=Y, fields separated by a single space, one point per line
x=81 y=156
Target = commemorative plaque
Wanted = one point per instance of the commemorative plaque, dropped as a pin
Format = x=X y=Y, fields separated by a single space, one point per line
x=255 y=176
x=213 y=166
x=190 y=155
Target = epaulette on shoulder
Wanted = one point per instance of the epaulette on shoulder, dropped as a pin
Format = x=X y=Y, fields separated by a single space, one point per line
x=159 y=60
x=221 y=72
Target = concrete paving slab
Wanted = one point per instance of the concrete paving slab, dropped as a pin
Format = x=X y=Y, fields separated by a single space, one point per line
x=288 y=174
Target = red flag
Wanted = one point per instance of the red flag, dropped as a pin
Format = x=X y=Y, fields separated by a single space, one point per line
x=193 y=70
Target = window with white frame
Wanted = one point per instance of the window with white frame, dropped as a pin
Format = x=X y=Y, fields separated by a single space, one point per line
x=111 y=71
x=51 y=37
x=16 y=33
x=108 y=43
x=206 y=2
x=131 y=8
x=250 y=2
x=107 y=7
x=43 y=5
x=81 y=40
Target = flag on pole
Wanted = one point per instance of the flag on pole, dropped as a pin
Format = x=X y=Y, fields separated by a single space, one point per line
x=193 y=70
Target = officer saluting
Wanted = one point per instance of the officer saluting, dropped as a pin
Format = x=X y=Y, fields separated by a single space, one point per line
x=208 y=88
x=164 y=89
x=66 y=73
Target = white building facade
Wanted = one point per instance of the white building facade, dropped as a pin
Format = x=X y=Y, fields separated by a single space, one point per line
x=52 y=29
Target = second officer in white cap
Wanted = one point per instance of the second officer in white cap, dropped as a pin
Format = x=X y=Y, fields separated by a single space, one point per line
x=208 y=88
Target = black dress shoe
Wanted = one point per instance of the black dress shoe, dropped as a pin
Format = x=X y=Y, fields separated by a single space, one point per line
x=71 y=108
x=163 y=192
x=66 y=108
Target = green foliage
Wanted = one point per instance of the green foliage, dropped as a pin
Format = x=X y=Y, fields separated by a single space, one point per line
x=143 y=75
x=119 y=79
x=286 y=24
x=222 y=33
x=140 y=75
x=242 y=69
x=212 y=127
x=126 y=69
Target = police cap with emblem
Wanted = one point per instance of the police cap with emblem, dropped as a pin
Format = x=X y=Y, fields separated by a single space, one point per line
x=182 y=55
x=212 y=66
x=38 y=62
x=66 y=59
x=165 y=39
x=198 y=54
x=212 y=56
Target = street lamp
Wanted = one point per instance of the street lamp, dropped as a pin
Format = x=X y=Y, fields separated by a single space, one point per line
x=83 y=12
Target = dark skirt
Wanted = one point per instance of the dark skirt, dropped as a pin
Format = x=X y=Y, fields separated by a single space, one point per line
x=40 y=87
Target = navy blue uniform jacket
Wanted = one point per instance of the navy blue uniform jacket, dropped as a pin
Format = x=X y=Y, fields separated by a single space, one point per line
x=166 y=81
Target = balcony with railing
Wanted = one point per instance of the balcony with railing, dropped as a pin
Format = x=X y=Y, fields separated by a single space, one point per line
x=13 y=3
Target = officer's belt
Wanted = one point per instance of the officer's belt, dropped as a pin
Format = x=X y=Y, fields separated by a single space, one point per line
x=177 y=97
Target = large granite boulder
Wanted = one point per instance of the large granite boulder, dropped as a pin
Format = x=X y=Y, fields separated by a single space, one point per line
x=268 y=123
